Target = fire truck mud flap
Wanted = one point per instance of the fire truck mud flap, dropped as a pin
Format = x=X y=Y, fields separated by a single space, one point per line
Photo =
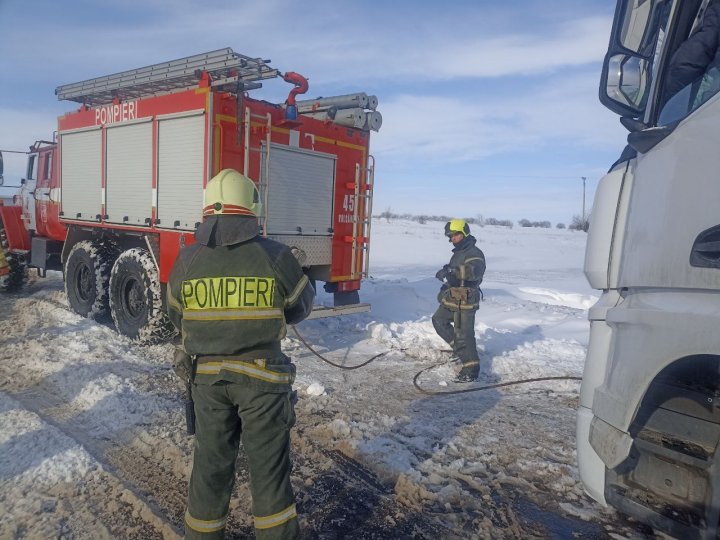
x=321 y=312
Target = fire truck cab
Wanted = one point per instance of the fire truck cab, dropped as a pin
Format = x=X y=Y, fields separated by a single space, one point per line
x=115 y=195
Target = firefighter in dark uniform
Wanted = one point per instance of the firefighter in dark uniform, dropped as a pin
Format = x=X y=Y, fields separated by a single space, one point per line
x=231 y=295
x=459 y=298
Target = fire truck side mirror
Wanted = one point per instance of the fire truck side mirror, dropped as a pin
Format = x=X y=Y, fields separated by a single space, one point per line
x=2 y=180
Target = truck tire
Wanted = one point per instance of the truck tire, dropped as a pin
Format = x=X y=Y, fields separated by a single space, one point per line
x=17 y=277
x=87 y=273
x=18 y=268
x=136 y=298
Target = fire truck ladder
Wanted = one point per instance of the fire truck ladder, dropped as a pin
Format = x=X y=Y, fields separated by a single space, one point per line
x=264 y=185
x=224 y=67
x=361 y=221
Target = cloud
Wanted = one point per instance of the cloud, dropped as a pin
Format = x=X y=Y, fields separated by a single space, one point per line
x=346 y=43
x=448 y=56
x=563 y=111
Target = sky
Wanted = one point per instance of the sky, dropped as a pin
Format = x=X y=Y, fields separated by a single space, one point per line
x=489 y=108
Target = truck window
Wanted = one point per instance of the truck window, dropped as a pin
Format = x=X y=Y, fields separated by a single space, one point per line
x=693 y=73
x=31 y=173
x=47 y=166
x=690 y=98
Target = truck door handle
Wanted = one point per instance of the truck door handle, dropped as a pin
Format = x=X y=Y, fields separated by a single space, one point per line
x=706 y=249
x=709 y=249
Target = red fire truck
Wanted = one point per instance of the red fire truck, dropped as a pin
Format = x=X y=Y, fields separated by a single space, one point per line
x=119 y=190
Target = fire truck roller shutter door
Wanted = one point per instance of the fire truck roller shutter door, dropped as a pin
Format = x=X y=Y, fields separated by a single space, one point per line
x=180 y=158
x=81 y=174
x=128 y=164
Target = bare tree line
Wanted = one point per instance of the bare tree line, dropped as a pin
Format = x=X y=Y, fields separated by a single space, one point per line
x=577 y=223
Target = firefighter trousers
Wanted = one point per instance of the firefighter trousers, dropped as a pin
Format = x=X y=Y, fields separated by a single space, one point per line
x=226 y=414
x=457 y=328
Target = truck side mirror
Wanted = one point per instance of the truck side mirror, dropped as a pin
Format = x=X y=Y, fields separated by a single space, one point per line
x=2 y=168
x=627 y=69
x=624 y=87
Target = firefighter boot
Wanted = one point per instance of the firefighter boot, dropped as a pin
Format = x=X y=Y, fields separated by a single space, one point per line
x=469 y=372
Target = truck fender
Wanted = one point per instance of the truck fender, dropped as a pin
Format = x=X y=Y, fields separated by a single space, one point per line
x=18 y=237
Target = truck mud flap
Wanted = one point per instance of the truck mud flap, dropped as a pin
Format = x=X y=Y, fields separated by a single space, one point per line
x=321 y=312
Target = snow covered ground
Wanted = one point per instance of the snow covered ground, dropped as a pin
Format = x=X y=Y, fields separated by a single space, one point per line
x=92 y=441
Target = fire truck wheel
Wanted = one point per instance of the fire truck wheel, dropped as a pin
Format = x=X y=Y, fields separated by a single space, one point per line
x=87 y=272
x=17 y=275
x=136 y=298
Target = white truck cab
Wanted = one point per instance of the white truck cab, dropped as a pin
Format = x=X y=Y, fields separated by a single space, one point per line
x=649 y=415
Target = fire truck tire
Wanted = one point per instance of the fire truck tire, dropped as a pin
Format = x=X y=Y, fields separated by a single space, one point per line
x=87 y=273
x=15 y=279
x=136 y=298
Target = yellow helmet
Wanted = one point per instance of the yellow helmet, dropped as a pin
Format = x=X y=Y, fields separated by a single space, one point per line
x=229 y=192
x=456 y=226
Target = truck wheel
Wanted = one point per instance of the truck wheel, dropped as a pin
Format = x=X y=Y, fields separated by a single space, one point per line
x=18 y=274
x=87 y=272
x=136 y=298
x=15 y=279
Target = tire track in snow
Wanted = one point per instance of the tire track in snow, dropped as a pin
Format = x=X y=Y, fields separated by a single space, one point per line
x=38 y=403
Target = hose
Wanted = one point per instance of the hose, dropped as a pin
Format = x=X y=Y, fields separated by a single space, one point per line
x=321 y=357
x=487 y=387
x=417 y=375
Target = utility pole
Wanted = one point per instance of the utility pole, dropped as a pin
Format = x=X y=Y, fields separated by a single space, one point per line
x=584 y=178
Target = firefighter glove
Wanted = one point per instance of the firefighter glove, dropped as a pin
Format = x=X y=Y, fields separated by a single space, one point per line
x=443 y=273
x=182 y=365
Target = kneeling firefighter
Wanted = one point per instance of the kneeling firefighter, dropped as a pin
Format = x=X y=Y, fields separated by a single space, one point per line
x=459 y=298
x=231 y=295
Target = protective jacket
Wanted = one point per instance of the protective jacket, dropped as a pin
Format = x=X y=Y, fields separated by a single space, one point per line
x=463 y=274
x=697 y=54
x=231 y=295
